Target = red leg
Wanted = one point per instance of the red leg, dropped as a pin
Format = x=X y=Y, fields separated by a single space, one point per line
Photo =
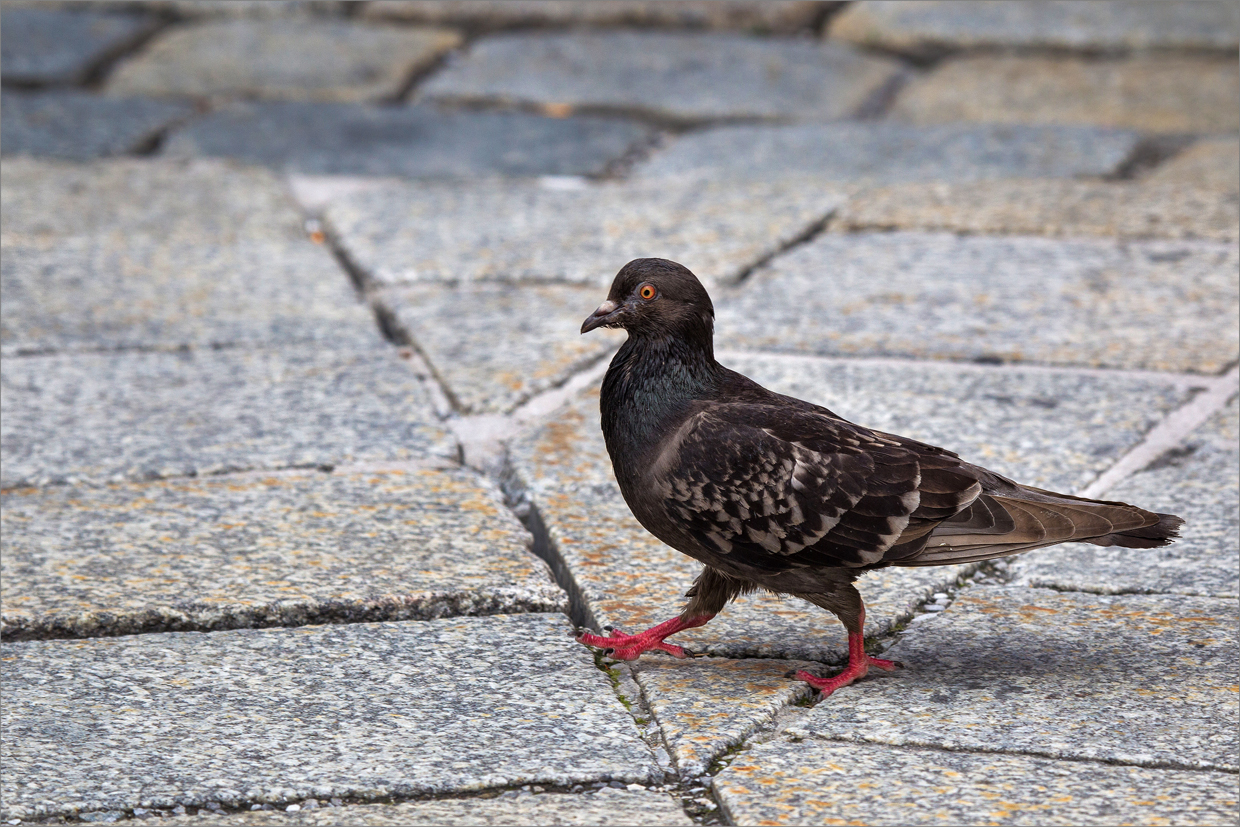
x=859 y=664
x=628 y=647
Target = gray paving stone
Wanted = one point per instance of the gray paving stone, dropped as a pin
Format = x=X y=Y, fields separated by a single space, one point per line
x=81 y=126
x=1212 y=163
x=1151 y=94
x=606 y=807
x=1198 y=480
x=767 y=16
x=679 y=77
x=1147 y=680
x=818 y=783
x=364 y=710
x=412 y=141
x=1159 y=305
x=260 y=9
x=496 y=345
x=282 y=549
x=133 y=416
x=282 y=59
x=931 y=28
x=414 y=232
x=892 y=153
x=61 y=46
x=1046 y=428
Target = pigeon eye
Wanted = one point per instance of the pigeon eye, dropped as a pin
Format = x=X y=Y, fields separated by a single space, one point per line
x=647 y=291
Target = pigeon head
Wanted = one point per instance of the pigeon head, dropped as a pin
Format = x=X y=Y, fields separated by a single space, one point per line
x=656 y=297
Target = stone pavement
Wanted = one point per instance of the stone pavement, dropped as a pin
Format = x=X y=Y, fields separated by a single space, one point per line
x=303 y=486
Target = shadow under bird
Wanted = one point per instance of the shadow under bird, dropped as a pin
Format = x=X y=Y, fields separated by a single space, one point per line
x=770 y=492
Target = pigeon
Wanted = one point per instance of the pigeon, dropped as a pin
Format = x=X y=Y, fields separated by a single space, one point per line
x=772 y=493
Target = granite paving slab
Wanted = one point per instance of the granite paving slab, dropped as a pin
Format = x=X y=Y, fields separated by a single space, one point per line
x=678 y=77
x=188 y=202
x=86 y=293
x=766 y=16
x=818 y=782
x=886 y=152
x=357 y=710
x=282 y=59
x=1055 y=430
x=706 y=706
x=1198 y=480
x=1147 y=680
x=81 y=126
x=928 y=29
x=142 y=415
x=583 y=233
x=496 y=345
x=40 y=47
x=411 y=141
x=606 y=807
x=1211 y=163
x=1158 y=305
x=1151 y=94
x=284 y=549
x=260 y=9
x=1062 y=207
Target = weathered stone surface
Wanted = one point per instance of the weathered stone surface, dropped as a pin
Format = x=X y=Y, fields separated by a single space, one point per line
x=606 y=807
x=1209 y=164
x=445 y=232
x=676 y=77
x=366 y=710
x=86 y=293
x=280 y=549
x=1162 y=305
x=892 y=152
x=493 y=345
x=706 y=706
x=59 y=46
x=132 y=416
x=817 y=782
x=249 y=8
x=931 y=28
x=298 y=59
x=1048 y=207
x=776 y=16
x=79 y=125
x=1152 y=94
x=1135 y=679
x=1043 y=428
x=412 y=141
x=1199 y=481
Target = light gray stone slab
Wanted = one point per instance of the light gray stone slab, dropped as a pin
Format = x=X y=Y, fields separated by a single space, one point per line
x=680 y=77
x=1198 y=480
x=81 y=126
x=605 y=807
x=88 y=293
x=1152 y=94
x=889 y=152
x=1147 y=680
x=496 y=345
x=1159 y=305
x=931 y=28
x=133 y=416
x=817 y=782
x=283 y=549
x=359 y=710
x=1045 y=428
x=283 y=59
x=414 y=232
x=1212 y=164
x=61 y=46
x=410 y=141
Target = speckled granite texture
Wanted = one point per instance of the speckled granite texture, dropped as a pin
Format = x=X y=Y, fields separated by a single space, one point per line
x=63 y=46
x=80 y=126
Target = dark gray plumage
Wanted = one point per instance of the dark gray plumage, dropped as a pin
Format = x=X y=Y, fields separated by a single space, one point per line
x=770 y=492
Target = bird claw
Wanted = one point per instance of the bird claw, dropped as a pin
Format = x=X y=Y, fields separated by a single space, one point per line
x=856 y=669
x=620 y=646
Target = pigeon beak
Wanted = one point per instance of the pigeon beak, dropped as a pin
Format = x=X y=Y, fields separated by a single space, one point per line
x=607 y=311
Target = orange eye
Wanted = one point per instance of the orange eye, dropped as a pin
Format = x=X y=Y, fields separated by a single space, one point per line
x=647 y=292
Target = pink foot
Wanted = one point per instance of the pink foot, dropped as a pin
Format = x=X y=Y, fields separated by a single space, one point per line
x=629 y=647
x=859 y=664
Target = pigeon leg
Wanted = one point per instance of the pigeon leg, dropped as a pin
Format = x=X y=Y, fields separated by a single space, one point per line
x=859 y=664
x=628 y=647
